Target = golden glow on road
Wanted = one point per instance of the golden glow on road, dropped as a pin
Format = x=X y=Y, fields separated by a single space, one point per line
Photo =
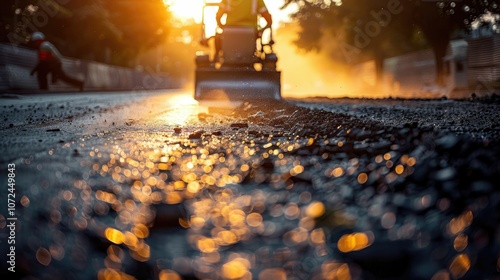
x=182 y=108
x=182 y=100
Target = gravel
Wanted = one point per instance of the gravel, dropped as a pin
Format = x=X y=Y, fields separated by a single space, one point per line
x=302 y=189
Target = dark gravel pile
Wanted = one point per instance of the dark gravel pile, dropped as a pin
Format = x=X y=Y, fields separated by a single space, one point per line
x=267 y=191
x=455 y=175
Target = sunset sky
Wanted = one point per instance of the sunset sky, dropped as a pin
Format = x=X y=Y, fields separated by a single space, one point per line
x=192 y=9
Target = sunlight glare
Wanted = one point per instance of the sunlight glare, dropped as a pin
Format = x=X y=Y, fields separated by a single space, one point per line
x=182 y=100
x=184 y=106
x=186 y=9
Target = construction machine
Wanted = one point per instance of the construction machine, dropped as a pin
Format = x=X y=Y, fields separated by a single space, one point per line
x=242 y=68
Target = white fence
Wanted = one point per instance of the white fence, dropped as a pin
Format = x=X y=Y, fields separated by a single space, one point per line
x=471 y=65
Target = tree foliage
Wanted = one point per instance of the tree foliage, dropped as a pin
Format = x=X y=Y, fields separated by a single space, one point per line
x=107 y=31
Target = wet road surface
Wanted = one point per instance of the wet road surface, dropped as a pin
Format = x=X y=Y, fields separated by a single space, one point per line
x=155 y=186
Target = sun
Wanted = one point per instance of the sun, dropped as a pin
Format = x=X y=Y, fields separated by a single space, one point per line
x=186 y=9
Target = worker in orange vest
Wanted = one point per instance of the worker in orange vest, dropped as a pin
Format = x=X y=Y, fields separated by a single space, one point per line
x=50 y=61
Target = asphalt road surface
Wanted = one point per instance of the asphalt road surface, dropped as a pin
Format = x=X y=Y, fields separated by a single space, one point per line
x=153 y=185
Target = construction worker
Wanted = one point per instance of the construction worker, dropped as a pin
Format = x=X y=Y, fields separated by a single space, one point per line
x=242 y=13
x=50 y=61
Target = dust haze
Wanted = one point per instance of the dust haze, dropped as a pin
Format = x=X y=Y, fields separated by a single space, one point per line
x=316 y=74
x=311 y=74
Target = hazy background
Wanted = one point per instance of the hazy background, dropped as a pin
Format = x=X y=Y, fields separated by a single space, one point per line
x=356 y=48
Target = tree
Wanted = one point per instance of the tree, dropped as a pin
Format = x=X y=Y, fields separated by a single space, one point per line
x=116 y=32
x=142 y=24
x=439 y=21
x=107 y=31
x=20 y=18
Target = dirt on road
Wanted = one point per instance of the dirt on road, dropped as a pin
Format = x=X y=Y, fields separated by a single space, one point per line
x=297 y=189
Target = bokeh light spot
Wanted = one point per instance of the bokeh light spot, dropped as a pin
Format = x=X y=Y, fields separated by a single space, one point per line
x=234 y=269
x=43 y=256
x=114 y=235
x=167 y=274
x=353 y=242
x=399 y=169
x=362 y=178
x=207 y=245
x=459 y=266
x=337 y=172
x=388 y=220
x=315 y=209
x=335 y=270
x=460 y=242
x=254 y=219
x=441 y=275
x=272 y=273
